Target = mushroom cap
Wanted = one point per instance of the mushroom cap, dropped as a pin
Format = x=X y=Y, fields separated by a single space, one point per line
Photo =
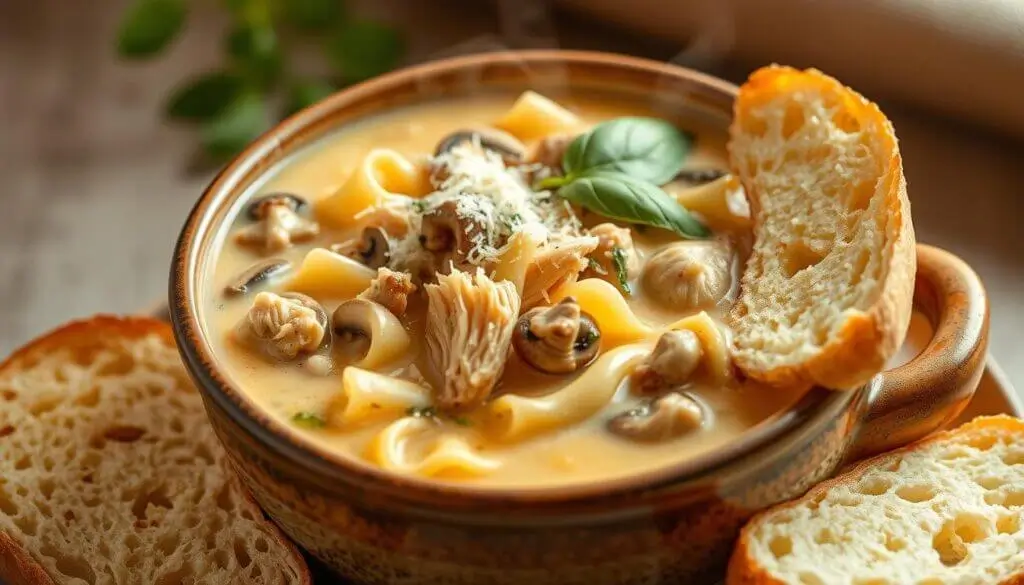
x=257 y=208
x=449 y=234
x=674 y=359
x=373 y=249
x=557 y=340
x=257 y=274
x=690 y=275
x=666 y=418
x=511 y=150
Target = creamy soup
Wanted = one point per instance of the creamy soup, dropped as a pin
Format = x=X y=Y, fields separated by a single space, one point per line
x=497 y=290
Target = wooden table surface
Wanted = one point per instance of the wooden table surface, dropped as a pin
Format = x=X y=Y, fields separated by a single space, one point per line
x=93 y=187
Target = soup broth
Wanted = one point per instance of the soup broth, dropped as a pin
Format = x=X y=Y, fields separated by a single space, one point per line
x=485 y=405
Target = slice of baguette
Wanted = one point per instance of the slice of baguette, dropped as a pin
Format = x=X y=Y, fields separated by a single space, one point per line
x=826 y=294
x=110 y=473
x=948 y=510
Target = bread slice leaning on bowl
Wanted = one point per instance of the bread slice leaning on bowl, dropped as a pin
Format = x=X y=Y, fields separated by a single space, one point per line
x=110 y=473
x=946 y=510
x=827 y=292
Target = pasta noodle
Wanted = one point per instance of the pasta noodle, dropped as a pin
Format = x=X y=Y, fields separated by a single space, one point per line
x=605 y=304
x=388 y=338
x=721 y=202
x=534 y=116
x=447 y=455
x=326 y=274
x=713 y=341
x=367 y=396
x=512 y=417
x=381 y=176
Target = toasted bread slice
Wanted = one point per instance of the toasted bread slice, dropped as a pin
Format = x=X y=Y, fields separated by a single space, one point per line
x=948 y=510
x=110 y=473
x=826 y=294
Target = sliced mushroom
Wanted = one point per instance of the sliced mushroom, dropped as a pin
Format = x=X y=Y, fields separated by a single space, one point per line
x=279 y=224
x=673 y=361
x=470 y=321
x=700 y=176
x=559 y=339
x=260 y=273
x=286 y=325
x=511 y=150
x=666 y=418
x=257 y=208
x=449 y=234
x=690 y=275
x=368 y=333
x=615 y=259
x=372 y=248
x=390 y=289
x=551 y=150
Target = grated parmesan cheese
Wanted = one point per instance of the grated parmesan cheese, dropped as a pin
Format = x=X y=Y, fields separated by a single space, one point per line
x=490 y=195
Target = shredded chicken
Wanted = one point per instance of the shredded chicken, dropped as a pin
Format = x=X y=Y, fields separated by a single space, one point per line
x=390 y=289
x=470 y=320
x=555 y=266
x=288 y=325
x=278 y=228
x=615 y=258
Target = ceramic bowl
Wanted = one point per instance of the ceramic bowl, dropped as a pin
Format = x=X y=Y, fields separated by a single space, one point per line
x=672 y=526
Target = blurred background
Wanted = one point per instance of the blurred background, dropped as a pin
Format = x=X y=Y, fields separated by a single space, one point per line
x=114 y=114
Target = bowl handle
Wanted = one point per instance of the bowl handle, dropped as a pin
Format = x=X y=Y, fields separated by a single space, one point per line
x=928 y=392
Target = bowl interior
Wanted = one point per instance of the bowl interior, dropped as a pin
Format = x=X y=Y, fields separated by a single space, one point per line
x=668 y=91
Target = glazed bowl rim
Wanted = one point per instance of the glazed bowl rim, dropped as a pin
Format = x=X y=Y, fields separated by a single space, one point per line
x=270 y=433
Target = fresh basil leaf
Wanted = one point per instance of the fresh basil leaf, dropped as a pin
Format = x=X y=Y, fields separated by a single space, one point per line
x=305 y=93
x=205 y=97
x=149 y=26
x=256 y=52
x=622 y=197
x=309 y=420
x=362 y=49
x=621 y=263
x=233 y=130
x=648 y=149
x=313 y=15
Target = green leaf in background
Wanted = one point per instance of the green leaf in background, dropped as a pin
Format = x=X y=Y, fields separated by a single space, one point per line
x=241 y=123
x=361 y=50
x=149 y=26
x=256 y=51
x=306 y=92
x=625 y=198
x=648 y=149
x=205 y=97
x=314 y=15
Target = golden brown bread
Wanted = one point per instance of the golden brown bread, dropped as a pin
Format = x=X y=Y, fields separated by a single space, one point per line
x=109 y=472
x=827 y=292
x=946 y=510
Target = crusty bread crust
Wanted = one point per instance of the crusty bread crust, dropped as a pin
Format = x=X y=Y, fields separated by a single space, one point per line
x=861 y=348
x=743 y=567
x=17 y=566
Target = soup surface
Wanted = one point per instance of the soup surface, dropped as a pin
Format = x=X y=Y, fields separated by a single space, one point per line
x=468 y=310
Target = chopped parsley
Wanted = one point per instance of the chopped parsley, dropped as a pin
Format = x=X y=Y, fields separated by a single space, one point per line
x=461 y=421
x=621 y=262
x=419 y=206
x=309 y=420
x=594 y=265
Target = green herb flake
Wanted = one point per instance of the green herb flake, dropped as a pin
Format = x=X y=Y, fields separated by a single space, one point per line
x=594 y=265
x=621 y=261
x=462 y=421
x=309 y=420
x=592 y=337
x=419 y=206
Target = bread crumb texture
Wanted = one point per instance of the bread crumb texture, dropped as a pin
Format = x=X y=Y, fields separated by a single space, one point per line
x=110 y=473
x=946 y=512
x=833 y=238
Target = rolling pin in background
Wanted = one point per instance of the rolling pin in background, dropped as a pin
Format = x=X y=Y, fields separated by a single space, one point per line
x=959 y=58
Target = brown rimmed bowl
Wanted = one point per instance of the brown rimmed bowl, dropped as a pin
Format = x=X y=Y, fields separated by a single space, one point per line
x=675 y=525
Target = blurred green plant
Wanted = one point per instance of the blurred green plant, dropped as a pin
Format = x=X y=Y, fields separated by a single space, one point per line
x=233 y=105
